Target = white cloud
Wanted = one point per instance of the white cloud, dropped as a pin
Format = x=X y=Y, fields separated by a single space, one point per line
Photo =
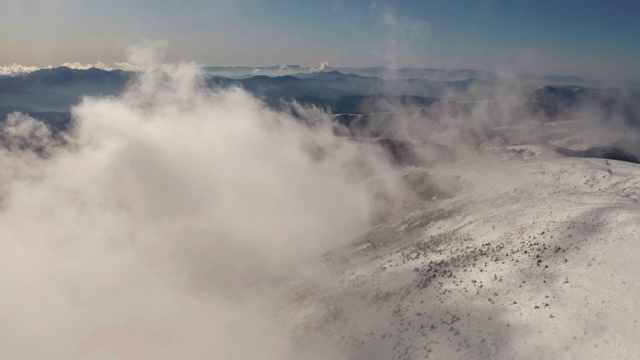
x=20 y=131
x=159 y=230
x=15 y=69
x=126 y=66
x=79 y=66
x=322 y=67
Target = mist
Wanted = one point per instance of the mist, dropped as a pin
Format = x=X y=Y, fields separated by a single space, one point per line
x=161 y=224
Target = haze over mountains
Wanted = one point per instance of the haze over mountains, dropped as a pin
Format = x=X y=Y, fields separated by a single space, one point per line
x=300 y=71
x=364 y=100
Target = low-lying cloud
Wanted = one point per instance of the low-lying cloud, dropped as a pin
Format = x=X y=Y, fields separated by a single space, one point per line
x=158 y=226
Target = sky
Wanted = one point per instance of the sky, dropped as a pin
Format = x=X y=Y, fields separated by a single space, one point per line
x=595 y=39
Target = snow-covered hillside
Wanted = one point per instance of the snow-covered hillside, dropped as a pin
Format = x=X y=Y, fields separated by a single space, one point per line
x=537 y=257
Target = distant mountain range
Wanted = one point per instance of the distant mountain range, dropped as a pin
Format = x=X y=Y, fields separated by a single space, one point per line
x=59 y=88
x=239 y=72
x=48 y=94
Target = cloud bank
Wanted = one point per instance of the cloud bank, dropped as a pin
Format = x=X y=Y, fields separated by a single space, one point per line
x=159 y=227
x=322 y=67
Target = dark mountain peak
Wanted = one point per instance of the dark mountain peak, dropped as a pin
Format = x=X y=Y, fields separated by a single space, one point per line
x=286 y=78
x=329 y=73
x=558 y=92
x=269 y=79
x=560 y=88
x=332 y=75
x=563 y=79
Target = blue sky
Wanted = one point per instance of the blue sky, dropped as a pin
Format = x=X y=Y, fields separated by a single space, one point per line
x=597 y=39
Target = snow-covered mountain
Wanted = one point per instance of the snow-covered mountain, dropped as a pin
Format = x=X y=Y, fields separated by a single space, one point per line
x=15 y=69
x=18 y=69
x=535 y=257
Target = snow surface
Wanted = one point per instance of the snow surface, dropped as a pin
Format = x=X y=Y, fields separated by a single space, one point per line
x=538 y=257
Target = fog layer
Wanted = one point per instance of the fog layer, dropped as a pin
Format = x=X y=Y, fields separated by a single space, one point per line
x=158 y=226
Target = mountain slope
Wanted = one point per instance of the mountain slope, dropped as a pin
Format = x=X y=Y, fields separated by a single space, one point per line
x=538 y=262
